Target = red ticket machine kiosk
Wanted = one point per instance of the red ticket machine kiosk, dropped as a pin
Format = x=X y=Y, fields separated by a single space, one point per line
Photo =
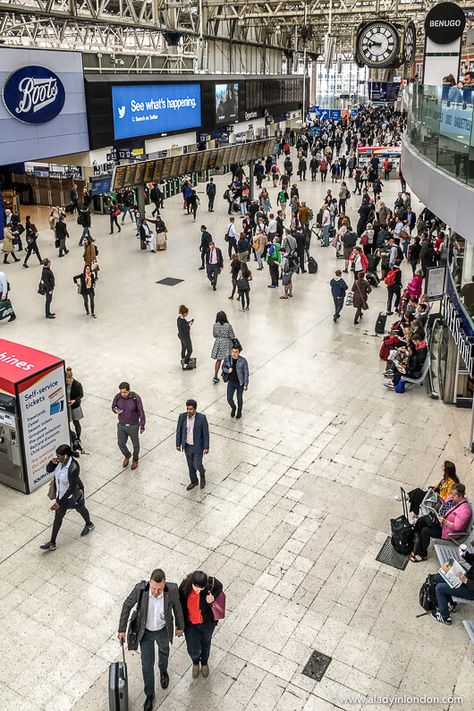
x=33 y=414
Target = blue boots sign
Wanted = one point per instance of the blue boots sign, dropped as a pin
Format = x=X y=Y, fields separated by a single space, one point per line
x=34 y=94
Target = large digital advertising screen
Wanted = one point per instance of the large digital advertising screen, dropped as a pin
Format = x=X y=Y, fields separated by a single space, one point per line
x=227 y=102
x=145 y=109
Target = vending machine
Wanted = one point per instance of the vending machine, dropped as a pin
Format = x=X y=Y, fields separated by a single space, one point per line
x=33 y=414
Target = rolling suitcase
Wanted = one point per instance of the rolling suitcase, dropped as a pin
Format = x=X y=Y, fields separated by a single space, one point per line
x=118 y=685
x=312 y=265
x=372 y=278
x=380 y=323
x=403 y=533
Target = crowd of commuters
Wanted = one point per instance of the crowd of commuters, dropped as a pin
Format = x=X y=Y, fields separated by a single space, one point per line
x=273 y=229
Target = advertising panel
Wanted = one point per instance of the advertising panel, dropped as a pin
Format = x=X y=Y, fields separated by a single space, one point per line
x=455 y=121
x=383 y=91
x=43 y=107
x=145 y=109
x=227 y=102
x=43 y=409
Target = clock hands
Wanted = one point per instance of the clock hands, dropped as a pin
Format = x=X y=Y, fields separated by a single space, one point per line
x=376 y=44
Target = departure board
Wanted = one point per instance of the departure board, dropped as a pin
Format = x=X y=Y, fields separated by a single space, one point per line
x=173 y=167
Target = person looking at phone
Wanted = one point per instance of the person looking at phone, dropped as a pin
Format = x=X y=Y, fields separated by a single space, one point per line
x=128 y=406
x=184 y=335
x=444 y=592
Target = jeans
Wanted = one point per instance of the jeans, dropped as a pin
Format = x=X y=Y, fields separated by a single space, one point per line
x=147 y=649
x=113 y=221
x=29 y=251
x=233 y=388
x=198 y=641
x=259 y=258
x=212 y=274
x=186 y=349
x=425 y=530
x=89 y=296
x=47 y=303
x=210 y=202
x=127 y=208
x=62 y=511
x=244 y=296
x=326 y=235
x=194 y=460
x=338 y=304
x=86 y=233
x=391 y=292
x=123 y=433
x=273 y=267
x=444 y=594
x=413 y=263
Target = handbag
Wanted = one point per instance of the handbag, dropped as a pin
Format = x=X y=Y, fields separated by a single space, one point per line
x=218 y=606
x=132 y=632
x=52 y=489
x=41 y=288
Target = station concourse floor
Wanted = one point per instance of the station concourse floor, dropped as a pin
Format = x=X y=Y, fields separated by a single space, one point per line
x=297 y=504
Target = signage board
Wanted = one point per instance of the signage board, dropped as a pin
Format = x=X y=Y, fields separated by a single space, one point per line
x=227 y=102
x=43 y=112
x=456 y=121
x=34 y=94
x=383 y=91
x=459 y=324
x=43 y=408
x=445 y=23
x=435 y=283
x=145 y=109
x=101 y=186
x=328 y=114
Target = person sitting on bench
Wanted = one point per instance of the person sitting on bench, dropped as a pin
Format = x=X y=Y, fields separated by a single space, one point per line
x=453 y=517
x=417 y=353
x=444 y=592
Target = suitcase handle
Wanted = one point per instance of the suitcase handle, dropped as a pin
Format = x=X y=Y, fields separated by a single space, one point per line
x=404 y=502
x=123 y=655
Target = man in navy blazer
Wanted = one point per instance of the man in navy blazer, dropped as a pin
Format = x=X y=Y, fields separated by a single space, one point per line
x=192 y=436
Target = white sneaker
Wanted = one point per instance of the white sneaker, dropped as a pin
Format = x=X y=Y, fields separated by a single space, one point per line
x=398 y=498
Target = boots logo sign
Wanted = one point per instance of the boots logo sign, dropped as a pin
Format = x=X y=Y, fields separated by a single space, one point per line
x=34 y=94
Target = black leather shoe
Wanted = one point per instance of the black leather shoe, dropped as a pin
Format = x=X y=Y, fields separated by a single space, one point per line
x=191 y=486
x=148 y=705
x=164 y=680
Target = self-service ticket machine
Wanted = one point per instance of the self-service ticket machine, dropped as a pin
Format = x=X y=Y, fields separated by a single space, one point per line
x=33 y=414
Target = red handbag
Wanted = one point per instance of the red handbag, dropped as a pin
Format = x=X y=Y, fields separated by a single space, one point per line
x=218 y=606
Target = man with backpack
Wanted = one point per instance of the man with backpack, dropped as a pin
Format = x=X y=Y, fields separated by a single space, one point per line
x=393 y=281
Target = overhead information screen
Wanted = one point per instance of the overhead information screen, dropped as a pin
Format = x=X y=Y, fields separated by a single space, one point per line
x=138 y=173
x=144 y=109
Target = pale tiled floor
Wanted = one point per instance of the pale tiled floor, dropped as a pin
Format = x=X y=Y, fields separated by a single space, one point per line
x=299 y=495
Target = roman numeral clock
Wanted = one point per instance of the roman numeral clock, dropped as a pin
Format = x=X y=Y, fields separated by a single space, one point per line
x=378 y=44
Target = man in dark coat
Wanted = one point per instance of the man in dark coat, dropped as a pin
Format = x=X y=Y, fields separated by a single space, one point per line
x=158 y=609
x=192 y=437
x=214 y=264
x=206 y=240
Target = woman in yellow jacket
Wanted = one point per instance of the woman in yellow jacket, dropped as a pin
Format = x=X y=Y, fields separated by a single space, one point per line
x=442 y=488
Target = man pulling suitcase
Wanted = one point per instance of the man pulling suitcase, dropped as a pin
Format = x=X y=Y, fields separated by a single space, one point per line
x=153 y=621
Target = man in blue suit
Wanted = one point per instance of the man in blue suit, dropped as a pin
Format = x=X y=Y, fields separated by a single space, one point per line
x=192 y=436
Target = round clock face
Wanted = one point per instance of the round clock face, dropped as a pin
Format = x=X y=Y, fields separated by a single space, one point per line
x=378 y=44
x=409 y=44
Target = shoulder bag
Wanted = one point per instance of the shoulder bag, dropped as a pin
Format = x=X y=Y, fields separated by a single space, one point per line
x=365 y=305
x=218 y=606
x=132 y=632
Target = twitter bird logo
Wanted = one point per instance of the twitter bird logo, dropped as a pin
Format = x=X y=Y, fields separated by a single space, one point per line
x=121 y=111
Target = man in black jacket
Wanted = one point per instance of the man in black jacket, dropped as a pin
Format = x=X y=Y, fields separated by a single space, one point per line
x=48 y=282
x=61 y=234
x=158 y=609
x=206 y=240
x=214 y=264
x=31 y=238
x=211 y=194
x=192 y=437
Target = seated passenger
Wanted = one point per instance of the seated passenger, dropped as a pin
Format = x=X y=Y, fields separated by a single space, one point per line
x=444 y=592
x=409 y=361
x=442 y=488
x=453 y=517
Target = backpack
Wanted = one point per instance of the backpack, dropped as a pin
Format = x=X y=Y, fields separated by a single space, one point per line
x=427 y=595
x=391 y=277
x=310 y=215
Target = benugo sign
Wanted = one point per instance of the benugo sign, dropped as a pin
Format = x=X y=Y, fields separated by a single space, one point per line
x=445 y=23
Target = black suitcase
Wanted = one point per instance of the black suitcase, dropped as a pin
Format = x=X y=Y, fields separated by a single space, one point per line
x=380 y=323
x=372 y=278
x=118 y=685
x=403 y=533
x=312 y=265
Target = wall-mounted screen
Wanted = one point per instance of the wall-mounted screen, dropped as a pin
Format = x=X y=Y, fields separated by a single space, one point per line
x=227 y=102
x=145 y=109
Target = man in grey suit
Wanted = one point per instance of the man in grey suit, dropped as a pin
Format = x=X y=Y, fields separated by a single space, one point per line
x=157 y=602
x=192 y=436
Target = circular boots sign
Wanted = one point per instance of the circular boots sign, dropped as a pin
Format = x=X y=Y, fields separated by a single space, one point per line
x=445 y=23
x=34 y=94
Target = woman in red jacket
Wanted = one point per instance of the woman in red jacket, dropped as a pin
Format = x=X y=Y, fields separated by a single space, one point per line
x=197 y=592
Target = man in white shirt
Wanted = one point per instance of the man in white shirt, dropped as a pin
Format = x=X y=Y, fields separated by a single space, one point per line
x=231 y=237
x=157 y=604
x=272 y=227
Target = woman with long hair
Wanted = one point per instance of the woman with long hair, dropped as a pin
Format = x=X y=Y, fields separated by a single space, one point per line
x=86 y=286
x=197 y=592
x=224 y=335
x=67 y=492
